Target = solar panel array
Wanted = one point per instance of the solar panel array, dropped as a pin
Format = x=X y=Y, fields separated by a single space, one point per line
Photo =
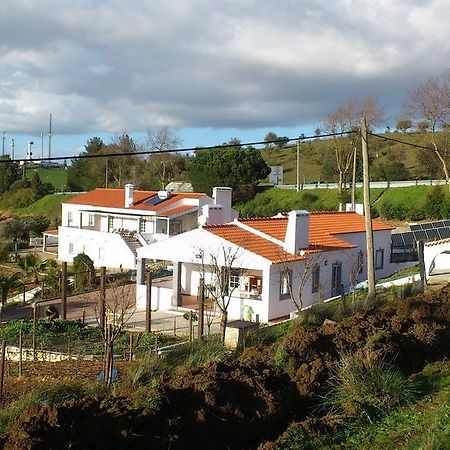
x=421 y=232
x=430 y=225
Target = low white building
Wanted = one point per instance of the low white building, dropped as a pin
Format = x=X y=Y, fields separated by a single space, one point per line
x=110 y=225
x=272 y=255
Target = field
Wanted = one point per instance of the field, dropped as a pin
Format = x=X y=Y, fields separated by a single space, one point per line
x=50 y=205
x=55 y=176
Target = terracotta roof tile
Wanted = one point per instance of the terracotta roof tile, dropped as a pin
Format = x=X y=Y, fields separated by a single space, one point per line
x=115 y=198
x=324 y=231
x=253 y=243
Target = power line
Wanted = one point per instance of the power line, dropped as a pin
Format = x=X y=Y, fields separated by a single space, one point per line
x=399 y=141
x=179 y=150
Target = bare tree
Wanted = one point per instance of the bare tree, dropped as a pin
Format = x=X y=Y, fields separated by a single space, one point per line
x=430 y=104
x=162 y=139
x=345 y=119
x=222 y=270
x=119 y=307
x=296 y=275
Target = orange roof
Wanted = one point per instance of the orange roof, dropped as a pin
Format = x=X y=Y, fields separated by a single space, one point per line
x=51 y=232
x=175 y=211
x=115 y=198
x=252 y=242
x=324 y=231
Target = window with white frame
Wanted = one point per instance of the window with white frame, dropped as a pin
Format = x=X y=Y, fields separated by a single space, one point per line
x=142 y=225
x=315 y=279
x=69 y=218
x=379 y=259
x=285 y=284
x=235 y=279
x=91 y=220
x=110 y=223
x=70 y=248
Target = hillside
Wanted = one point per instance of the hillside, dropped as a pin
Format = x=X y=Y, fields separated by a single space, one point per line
x=314 y=153
x=55 y=176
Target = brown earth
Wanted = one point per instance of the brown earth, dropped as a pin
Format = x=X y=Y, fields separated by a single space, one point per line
x=240 y=405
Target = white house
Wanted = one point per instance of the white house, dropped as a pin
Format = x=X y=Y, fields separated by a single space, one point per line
x=109 y=225
x=329 y=247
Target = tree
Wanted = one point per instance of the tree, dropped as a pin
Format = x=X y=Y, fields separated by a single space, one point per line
x=295 y=276
x=33 y=266
x=404 y=125
x=390 y=170
x=86 y=174
x=236 y=167
x=9 y=173
x=162 y=139
x=16 y=230
x=7 y=284
x=270 y=138
x=430 y=104
x=345 y=119
x=217 y=269
x=120 y=305
x=84 y=272
x=162 y=168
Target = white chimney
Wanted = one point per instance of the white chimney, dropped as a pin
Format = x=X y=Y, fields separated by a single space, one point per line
x=211 y=215
x=222 y=196
x=129 y=190
x=297 y=232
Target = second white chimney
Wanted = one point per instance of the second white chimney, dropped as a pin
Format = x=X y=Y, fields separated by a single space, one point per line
x=211 y=215
x=297 y=232
x=129 y=193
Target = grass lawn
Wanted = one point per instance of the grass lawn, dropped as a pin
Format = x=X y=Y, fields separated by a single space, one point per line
x=50 y=205
x=56 y=176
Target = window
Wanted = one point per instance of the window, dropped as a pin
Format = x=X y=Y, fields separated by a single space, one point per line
x=70 y=248
x=285 y=283
x=235 y=279
x=110 y=223
x=142 y=224
x=379 y=259
x=315 y=279
x=69 y=218
x=336 y=279
x=360 y=261
x=91 y=220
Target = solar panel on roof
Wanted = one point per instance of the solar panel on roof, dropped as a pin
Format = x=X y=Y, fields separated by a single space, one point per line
x=427 y=226
x=446 y=223
x=415 y=227
x=419 y=235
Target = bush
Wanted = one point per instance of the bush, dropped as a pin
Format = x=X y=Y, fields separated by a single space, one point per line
x=362 y=387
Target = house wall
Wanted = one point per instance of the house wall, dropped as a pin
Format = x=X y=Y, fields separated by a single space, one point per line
x=105 y=249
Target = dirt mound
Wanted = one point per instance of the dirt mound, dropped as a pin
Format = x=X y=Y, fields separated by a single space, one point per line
x=239 y=405
x=407 y=333
x=218 y=406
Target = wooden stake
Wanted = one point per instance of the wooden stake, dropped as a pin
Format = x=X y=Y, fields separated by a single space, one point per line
x=191 y=337
x=201 y=309
x=174 y=325
x=102 y=299
x=64 y=290
x=33 y=334
x=20 y=352
x=2 y=370
x=367 y=212
x=130 y=348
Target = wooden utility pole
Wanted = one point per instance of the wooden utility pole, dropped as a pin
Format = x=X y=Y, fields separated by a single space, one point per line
x=102 y=299
x=64 y=290
x=298 y=165
x=148 y=306
x=367 y=211
x=423 y=274
x=201 y=309
x=354 y=180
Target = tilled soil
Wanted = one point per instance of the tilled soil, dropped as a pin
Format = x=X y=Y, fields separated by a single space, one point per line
x=243 y=404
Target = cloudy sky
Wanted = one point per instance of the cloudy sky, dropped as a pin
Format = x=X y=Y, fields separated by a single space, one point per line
x=211 y=69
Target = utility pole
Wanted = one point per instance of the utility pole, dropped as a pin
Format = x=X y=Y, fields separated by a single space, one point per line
x=298 y=165
x=3 y=143
x=42 y=145
x=64 y=290
x=367 y=212
x=148 y=304
x=13 y=146
x=50 y=137
x=354 y=180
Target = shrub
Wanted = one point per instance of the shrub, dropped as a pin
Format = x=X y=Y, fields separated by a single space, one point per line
x=362 y=387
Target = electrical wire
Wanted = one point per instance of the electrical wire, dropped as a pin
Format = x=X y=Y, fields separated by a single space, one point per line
x=178 y=150
x=399 y=141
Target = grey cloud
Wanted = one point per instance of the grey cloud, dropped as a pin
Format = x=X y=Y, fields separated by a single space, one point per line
x=110 y=66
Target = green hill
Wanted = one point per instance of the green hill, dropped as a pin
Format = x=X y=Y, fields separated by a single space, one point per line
x=56 y=176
